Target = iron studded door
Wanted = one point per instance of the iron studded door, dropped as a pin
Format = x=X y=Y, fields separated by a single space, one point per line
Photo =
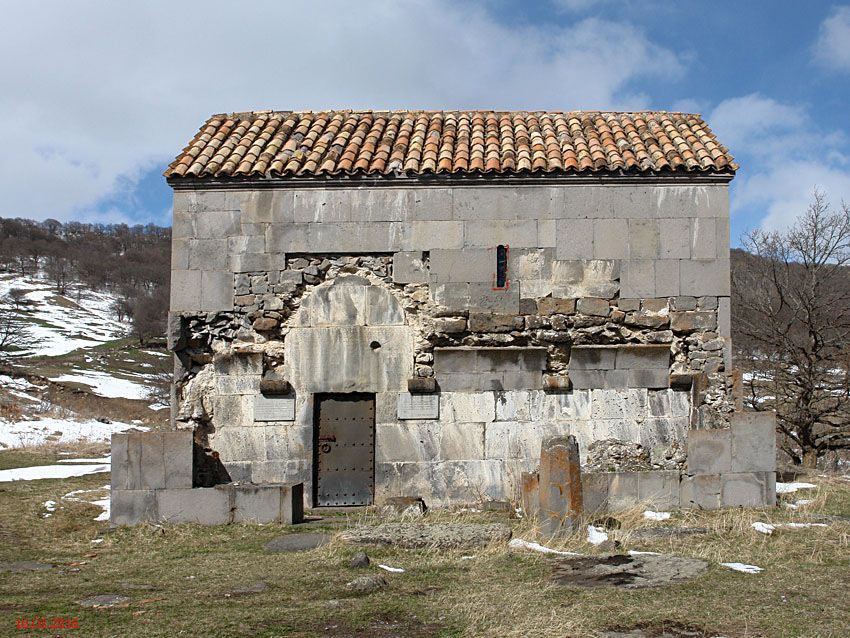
x=344 y=449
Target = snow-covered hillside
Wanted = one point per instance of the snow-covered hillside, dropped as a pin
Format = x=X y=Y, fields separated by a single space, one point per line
x=74 y=341
x=58 y=324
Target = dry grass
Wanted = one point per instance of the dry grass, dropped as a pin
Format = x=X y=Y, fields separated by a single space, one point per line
x=179 y=577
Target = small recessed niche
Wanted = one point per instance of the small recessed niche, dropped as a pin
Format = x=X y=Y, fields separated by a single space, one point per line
x=375 y=345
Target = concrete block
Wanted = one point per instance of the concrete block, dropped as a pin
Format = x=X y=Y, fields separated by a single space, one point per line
x=592 y=379
x=593 y=358
x=526 y=380
x=753 y=441
x=256 y=504
x=428 y=235
x=540 y=202
x=233 y=410
x=690 y=321
x=703 y=238
x=412 y=441
x=205 y=506
x=700 y=492
x=380 y=204
x=704 y=277
x=674 y=238
x=610 y=239
x=239 y=443
x=709 y=451
x=208 y=254
x=654 y=379
x=644 y=239
x=430 y=204
x=491 y=203
x=468 y=407
x=482 y=298
x=130 y=507
x=564 y=271
x=747 y=489
x=461 y=441
x=555 y=306
x=723 y=233
x=151 y=461
x=546 y=233
x=630 y=404
x=180 y=254
x=177 y=458
x=638 y=279
x=455 y=360
x=217 y=224
x=409 y=268
x=511 y=359
x=268 y=503
x=239 y=364
x=322 y=205
x=513 y=233
x=623 y=490
x=119 y=477
x=186 y=290
x=574 y=239
x=642 y=357
x=594 y=488
x=593 y=306
x=246 y=243
x=667 y=277
x=216 y=291
x=659 y=489
x=248 y=384
x=286 y=441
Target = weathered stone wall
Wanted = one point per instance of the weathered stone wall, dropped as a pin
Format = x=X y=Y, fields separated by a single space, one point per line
x=359 y=289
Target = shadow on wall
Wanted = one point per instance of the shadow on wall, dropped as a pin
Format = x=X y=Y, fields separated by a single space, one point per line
x=207 y=468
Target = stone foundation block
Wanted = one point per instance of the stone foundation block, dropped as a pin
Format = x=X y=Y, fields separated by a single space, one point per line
x=595 y=492
x=623 y=490
x=753 y=442
x=130 y=507
x=205 y=506
x=748 y=489
x=709 y=451
x=700 y=492
x=659 y=489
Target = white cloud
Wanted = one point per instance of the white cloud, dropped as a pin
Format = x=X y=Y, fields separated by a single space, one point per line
x=832 y=48
x=95 y=92
x=784 y=156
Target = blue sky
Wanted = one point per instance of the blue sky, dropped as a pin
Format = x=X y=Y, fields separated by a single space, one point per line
x=99 y=96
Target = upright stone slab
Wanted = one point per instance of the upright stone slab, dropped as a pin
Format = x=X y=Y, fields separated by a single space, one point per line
x=530 y=488
x=560 y=484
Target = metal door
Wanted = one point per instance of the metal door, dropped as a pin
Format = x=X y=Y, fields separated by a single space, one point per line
x=344 y=444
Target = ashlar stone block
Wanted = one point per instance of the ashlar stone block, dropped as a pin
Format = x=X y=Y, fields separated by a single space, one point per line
x=709 y=451
x=753 y=442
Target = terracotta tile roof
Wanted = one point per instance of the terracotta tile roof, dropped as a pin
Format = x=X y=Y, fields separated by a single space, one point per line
x=306 y=144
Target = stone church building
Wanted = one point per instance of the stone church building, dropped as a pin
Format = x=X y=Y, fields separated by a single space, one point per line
x=405 y=303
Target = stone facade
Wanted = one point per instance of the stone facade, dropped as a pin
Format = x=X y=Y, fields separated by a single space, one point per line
x=613 y=321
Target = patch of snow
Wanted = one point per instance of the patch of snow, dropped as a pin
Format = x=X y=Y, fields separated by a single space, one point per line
x=635 y=552
x=468 y=557
x=764 y=528
x=790 y=488
x=16 y=383
x=158 y=406
x=96 y=541
x=743 y=567
x=50 y=506
x=104 y=459
x=518 y=543
x=387 y=568
x=802 y=525
x=595 y=535
x=104 y=504
x=105 y=385
x=656 y=516
x=39 y=431
x=799 y=503
x=50 y=472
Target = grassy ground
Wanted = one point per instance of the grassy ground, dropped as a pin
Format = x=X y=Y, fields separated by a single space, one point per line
x=178 y=578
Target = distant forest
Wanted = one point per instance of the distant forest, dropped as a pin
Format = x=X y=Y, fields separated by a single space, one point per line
x=132 y=262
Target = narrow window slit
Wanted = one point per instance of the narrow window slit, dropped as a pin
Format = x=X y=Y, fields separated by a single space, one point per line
x=501 y=267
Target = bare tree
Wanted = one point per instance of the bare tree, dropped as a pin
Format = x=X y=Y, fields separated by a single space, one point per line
x=791 y=306
x=17 y=297
x=12 y=333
